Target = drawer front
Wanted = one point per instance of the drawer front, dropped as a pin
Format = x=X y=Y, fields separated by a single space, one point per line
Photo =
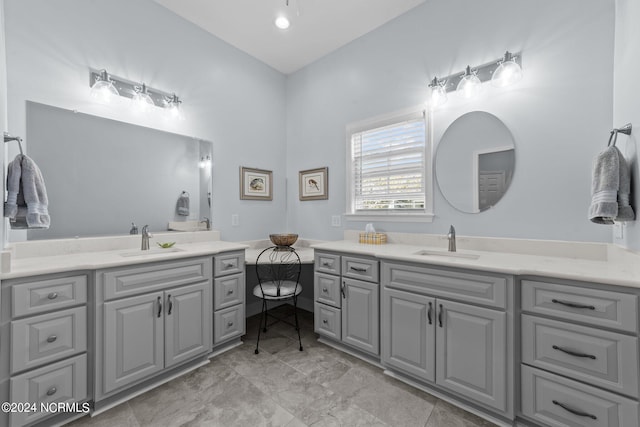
x=229 y=263
x=601 y=308
x=556 y=401
x=62 y=382
x=228 y=291
x=45 y=295
x=360 y=268
x=601 y=358
x=122 y=282
x=228 y=323
x=328 y=321
x=327 y=263
x=327 y=289
x=471 y=287
x=47 y=338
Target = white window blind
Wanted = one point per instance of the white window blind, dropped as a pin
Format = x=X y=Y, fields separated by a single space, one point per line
x=388 y=166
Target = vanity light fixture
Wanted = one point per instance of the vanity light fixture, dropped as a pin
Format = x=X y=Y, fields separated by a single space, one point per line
x=502 y=72
x=205 y=162
x=282 y=22
x=508 y=72
x=469 y=85
x=438 y=92
x=103 y=89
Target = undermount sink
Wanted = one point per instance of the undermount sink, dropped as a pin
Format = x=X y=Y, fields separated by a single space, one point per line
x=446 y=254
x=155 y=251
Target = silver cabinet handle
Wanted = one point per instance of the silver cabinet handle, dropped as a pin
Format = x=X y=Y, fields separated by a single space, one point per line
x=325 y=321
x=230 y=324
x=326 y=264
x=230 y=291
x=52 y=338
x=325 y=290
x=228 y=264
x=52 y=391
x=53 y=295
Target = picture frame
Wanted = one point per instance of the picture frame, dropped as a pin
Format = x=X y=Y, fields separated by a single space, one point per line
x=256 y=184
x=314 y=184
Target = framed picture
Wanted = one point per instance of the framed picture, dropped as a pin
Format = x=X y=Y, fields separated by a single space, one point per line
x=255 y=184
x=314 y=184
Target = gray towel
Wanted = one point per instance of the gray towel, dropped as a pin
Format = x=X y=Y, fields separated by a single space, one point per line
x=26 y=189
x=610 y=188
x=182 y=206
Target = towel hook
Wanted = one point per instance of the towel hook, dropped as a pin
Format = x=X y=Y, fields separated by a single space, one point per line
x=626 y=129
x=8 y=138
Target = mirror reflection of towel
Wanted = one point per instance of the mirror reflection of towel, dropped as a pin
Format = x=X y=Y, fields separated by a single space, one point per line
x=182 y=206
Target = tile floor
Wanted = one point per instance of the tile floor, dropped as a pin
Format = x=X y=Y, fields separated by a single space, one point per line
x=282 y=386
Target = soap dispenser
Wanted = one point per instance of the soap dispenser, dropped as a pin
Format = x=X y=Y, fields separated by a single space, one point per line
x=134 y=229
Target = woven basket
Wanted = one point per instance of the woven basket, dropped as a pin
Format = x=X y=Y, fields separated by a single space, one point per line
x=373 y=238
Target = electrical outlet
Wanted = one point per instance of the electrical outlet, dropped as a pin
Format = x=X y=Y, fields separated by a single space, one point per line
x=336 y=221
x=235 y=220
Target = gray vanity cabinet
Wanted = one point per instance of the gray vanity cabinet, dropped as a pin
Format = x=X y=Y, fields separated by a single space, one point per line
x=360 y=315
x=150 y=318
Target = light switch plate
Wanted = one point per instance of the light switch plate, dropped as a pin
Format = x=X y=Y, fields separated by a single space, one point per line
x=336 y=221
x=235 y=220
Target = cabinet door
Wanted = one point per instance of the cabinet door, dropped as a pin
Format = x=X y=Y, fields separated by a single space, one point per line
x=408 y=332
x=471 y=352
x=361 y=315
x=133 y=339
x=187 y=322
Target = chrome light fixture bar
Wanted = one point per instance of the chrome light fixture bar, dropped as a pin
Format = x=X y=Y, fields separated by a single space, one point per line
x=485 y=72
x=132 y=90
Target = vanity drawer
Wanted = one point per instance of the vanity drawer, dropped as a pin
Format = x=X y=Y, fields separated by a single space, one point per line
x=556 y=401
x=602 y=358
x=49 y=294
x=360 y=268
x=597 y=307
x=327 y=263
x=46 y=338
x=228 y=291
x=327 y=289
x=230 y=263
x=228 y=323
x=328 y=321
x=135 y=280
x=478 y=288
x=62 y=382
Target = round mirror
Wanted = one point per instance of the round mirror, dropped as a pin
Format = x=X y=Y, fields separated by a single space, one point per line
x=475 y=162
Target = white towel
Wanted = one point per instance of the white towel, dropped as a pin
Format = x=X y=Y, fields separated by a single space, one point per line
x=27 y=201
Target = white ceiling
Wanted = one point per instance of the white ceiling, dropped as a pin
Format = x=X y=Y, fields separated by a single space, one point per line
x=318 y=27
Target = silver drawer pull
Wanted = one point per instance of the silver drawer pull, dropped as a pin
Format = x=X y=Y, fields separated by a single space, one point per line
x=326 y=264
x=52 y=338
x=325 y=321
x=228 y=265
x=325 y=290
x=572 y=304
x=573 y=353
x=358 y=269
x=52 y=295
x=230 y=291
x=52 y=391
x=230 y=324
x=574 y=411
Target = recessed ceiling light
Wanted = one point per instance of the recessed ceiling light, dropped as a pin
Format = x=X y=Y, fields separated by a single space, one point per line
x=282 y=22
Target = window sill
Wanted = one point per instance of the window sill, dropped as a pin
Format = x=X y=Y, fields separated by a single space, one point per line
x=389 y=217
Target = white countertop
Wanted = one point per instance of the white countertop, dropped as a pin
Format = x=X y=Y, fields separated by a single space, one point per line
x=615 y=267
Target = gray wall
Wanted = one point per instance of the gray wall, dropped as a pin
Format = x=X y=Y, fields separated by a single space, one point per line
x=560 y=114
x=230 y=98
x=626 y=103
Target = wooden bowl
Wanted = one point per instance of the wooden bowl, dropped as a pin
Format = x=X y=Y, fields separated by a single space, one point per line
x=283 y=239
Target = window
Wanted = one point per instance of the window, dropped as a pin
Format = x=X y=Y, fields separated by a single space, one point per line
x=389 y=166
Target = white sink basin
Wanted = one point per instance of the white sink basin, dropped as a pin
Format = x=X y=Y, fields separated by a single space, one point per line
x=154 y=251
x=447 y=254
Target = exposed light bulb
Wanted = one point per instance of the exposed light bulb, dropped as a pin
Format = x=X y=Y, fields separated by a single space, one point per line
x=205 y=163
x=172 y=106
x=141 y=101
x=470 y=84
x=438 y=93
x=508 y=72
x=282 y=22
x=103 y=90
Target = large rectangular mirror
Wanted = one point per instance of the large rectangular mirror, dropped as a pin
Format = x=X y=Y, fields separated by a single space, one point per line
x=101 y=175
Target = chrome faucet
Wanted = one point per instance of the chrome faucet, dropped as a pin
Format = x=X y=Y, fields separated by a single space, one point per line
x=452 y=239
x=207 y=222
x=145 y=238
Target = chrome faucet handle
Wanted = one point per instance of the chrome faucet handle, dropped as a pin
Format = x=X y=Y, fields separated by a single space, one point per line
x=452 y=239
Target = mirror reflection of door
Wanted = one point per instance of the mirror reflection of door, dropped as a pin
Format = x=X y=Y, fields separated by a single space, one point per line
x=494 y=169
